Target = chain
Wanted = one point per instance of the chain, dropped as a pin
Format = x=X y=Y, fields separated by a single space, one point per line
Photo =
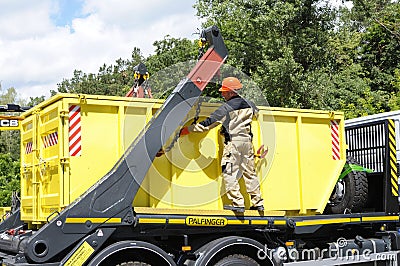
x=198 y=107
x=202 y=45
x=177 y=134
x=175 y=139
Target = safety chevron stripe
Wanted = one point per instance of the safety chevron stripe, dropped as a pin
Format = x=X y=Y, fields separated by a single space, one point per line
x=335 y=140
x=50 y=139
x=392 y=159
x=28 y=147
x=75 y=130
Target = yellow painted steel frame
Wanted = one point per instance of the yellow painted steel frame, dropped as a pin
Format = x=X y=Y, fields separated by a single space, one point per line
x=392 y=159
x=203 y=218
x=4 y=212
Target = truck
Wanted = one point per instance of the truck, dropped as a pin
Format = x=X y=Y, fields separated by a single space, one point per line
x=88 y=200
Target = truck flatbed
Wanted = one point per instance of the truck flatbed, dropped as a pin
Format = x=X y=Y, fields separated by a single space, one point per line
x=170 y=218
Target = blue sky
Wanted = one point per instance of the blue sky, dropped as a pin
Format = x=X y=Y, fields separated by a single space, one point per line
x=43 y=42
x=67 y=11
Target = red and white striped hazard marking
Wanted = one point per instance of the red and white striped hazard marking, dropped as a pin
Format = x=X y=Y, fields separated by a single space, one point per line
x=75 y=130
x=335 y=140
x=28 y=147
x=50 y=140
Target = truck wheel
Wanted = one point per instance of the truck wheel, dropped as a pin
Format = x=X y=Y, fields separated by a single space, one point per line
x=350 y=194
x=231 y=250
x=133 y=263
x=132 y=253
x=237 y=260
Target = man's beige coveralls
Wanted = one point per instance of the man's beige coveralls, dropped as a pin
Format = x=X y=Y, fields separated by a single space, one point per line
x=236 y=115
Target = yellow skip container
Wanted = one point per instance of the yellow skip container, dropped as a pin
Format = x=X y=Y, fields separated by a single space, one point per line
x=70 y=141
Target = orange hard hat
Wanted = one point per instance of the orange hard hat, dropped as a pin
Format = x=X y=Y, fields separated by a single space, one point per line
x=231 y=84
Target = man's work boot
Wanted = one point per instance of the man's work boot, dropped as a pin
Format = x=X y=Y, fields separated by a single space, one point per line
x=257 y=208
x=234 y=208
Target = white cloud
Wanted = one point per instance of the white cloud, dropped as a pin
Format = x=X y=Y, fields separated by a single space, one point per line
x=35 y=54
x=21 y=18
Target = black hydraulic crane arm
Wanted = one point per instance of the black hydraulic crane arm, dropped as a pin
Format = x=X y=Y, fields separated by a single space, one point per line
x=109 y=201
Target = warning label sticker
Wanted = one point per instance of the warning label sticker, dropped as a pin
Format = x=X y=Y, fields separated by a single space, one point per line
x=81 y=255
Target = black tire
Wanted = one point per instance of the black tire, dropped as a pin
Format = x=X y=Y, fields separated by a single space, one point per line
x=132 y=253
x=133 y=263
x=237 y=260
x=350 y=194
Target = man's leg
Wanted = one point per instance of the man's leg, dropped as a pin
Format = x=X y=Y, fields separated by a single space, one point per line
x=230 y=174
x=250 y=176
x=232 y=185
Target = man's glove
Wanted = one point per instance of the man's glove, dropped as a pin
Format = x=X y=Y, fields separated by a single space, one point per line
x=184 y=131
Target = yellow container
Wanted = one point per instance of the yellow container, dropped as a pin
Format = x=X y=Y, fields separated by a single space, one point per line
x=51 y=176
x=61 y=158
x=308 y=155
x=4 y=213
x=298 y=174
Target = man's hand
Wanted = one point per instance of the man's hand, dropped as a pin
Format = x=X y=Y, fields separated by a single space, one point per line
x=160 y=153
x=184 y=131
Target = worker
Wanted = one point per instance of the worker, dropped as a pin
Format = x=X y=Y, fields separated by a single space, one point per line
x=235 y=115
x=140 y=88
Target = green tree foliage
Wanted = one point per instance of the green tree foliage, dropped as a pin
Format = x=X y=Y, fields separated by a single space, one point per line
x=10 y=139
x=172 y=61
x=110 y=80
x=301 y=53
x=117 y=79
x=8 y=96
x=380 y=55
x=372 y=29
x=308 y=54
x=9 y=152
x=170 y=51
x=9 y=178
x=350 y=89
x=35 y=101
x=277 y=43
